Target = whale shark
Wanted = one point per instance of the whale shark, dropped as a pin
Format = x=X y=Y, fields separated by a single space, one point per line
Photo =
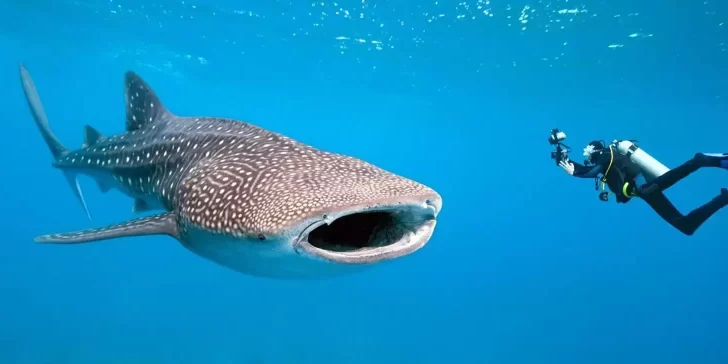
x=246 y=198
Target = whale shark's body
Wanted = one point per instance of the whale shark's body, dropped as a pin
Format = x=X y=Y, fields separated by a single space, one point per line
x=247 y=198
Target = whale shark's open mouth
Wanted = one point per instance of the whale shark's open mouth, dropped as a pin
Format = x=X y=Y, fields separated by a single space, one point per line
x=371 y=235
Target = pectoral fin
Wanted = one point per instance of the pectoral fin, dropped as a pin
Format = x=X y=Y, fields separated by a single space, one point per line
x=162 y=224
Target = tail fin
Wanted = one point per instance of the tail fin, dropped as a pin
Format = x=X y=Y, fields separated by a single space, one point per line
x=41 y=121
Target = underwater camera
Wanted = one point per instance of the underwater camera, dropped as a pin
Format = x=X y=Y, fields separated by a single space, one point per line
x=561 y=151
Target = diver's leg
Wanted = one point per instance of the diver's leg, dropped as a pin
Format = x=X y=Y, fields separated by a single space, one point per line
x=689 y=223
x=674 y=175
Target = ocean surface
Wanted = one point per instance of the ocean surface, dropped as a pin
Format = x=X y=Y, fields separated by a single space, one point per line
x=526 y=264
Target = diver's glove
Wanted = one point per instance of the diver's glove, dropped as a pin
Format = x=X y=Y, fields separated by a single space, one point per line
x=567 y=166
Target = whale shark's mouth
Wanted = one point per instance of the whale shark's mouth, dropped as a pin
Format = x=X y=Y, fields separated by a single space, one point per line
x=372 y=234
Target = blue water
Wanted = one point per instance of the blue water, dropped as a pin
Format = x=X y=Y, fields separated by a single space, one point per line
x=526 y=264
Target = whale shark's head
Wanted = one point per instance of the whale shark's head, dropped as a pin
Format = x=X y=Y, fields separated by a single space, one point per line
x=313 y=213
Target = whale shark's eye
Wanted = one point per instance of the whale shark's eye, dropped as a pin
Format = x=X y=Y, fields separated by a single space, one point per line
x=261 y=237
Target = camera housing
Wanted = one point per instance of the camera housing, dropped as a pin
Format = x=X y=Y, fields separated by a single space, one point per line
x=561 y=152
x=557 y=136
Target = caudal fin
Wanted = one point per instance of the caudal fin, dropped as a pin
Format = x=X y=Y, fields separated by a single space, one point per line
x=41 y=121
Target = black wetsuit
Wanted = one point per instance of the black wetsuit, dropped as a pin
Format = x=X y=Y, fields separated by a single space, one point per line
x=624 y=171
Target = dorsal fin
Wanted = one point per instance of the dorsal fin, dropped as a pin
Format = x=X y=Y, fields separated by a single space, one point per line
x=142 y=104
x=91 y=136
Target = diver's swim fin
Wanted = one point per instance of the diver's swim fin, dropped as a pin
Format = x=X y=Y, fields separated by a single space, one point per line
x=716 y=159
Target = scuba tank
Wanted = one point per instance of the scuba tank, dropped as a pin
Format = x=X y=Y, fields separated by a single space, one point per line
x=631 y=160
x=651 y=167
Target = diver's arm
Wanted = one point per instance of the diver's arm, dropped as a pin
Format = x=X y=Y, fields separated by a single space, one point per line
x=579 y=170
x=583 y=171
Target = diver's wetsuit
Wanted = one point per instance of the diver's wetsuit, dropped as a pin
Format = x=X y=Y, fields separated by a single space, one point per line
x=623 y=171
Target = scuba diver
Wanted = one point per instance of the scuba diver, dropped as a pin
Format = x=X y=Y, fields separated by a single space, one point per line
x=630 y=172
